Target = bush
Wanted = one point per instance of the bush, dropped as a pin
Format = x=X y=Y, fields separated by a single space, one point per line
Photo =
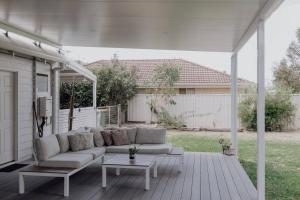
x=279 y=110
x=116 y=84
x=169 y=121
x=83 y=91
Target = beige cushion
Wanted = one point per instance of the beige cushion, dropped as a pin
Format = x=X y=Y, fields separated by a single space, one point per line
x=107 y=136
x=63 y=142
x=151 y=136
x=119 y=149
x=120 y=137
x=155 y=149
x=131 y=133
x=96 y=152
x=81 y=141
x=67 y=160
x=98 y=139
x=46 y=147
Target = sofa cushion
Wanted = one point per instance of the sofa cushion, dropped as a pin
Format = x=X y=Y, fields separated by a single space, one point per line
x=67 y=160
x=46 y=147
x=81 y=141
x=155 y=149
x=120 y=137
x=63 y=142
x=107 y=136
x=151 y=136
x=98 y=139
x=131 y=133
x=119 y=149
x=96 y=152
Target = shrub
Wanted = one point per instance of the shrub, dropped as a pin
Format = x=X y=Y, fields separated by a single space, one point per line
x=169 y=121
x=279 y=110
x=83 y=91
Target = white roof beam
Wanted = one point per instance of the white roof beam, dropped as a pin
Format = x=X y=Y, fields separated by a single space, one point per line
x=269 y=7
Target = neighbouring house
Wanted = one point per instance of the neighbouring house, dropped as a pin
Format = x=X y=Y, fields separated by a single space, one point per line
x=194 y=78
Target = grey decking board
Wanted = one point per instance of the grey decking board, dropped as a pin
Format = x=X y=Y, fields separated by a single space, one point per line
x=213 y=184
x=224 y=194
x=237 y=180
x=196 y=185
x=245 y=179
x=205 y=188
x=192 y=183
x=228 y=179
x=188 y=179
x=178 y=187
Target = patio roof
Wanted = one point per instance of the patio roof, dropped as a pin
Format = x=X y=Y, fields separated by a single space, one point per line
x=203 y=25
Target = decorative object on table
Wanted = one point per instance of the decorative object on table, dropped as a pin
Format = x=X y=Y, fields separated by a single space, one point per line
x=132 y=151
x=227 y=147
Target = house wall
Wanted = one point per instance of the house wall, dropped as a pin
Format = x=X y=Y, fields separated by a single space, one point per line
x=194 y=91
x=22 y=69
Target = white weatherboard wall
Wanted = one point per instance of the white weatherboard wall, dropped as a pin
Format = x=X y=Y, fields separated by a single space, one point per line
x=212 y=111
x=22 y=70
x=83 y=117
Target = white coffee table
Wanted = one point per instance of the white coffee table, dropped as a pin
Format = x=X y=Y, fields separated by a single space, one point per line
x=118 y=162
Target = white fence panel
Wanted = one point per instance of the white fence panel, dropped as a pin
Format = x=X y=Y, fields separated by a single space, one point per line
x=82 y=117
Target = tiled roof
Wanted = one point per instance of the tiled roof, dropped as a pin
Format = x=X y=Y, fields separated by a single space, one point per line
x=191 y=74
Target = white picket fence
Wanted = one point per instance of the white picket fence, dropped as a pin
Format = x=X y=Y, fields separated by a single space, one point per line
x=211 y=111
x=82 y=117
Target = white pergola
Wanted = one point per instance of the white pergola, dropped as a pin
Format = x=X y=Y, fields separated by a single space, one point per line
x=200 y=25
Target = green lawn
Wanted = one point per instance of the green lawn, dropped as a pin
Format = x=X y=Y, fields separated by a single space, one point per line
x=282 y=161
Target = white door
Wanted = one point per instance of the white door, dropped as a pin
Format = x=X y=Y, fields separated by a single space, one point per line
x=6 y=117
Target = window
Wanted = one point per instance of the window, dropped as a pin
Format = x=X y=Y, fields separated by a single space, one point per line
x=42 y=82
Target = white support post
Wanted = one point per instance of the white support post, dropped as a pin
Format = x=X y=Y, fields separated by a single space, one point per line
x=95 y=94
x=234 y=118
x=261 y=110
x=55 y=96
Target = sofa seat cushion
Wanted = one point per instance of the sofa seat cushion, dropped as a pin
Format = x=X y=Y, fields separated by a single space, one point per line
x=120 y=149
x=155 y=148
x=151 y=136
x=46 y=147
x=67 y=160
x=96 y=152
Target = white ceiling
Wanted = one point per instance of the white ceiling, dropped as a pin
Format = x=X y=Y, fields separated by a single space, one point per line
x=206 y=25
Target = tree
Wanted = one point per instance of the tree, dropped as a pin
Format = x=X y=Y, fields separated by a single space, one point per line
x=287 y=72
x=116 y=84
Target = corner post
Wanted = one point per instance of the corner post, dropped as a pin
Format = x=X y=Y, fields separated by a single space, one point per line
x=261 y=110
x=234 y=138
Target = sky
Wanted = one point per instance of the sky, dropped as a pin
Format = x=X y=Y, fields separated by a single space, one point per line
x=280 y=31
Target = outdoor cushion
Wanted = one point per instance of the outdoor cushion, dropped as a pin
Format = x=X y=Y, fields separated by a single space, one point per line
x=107 y=136
x=120 y=137
x=131 y=133
x=46 y=147
x=81 y=141
x=98 y=139
x=63 y=142
x=67 y=160
x=96 y=152
x=151 y=136
x=155 y=149
x=119 y=149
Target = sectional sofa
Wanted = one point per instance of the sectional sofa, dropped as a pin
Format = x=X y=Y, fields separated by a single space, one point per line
x=63 y=155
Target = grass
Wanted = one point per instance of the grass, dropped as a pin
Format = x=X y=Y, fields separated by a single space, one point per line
x=282 y=161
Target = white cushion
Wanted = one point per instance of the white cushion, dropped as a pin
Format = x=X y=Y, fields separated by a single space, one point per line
x=119 y=149
x=151 y=136
x=67 y=160
x=155 y=149
x=96 y=152
x=47 y=147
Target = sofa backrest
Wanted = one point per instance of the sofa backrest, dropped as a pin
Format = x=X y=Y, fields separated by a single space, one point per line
x=46 y=147
x=150 y=136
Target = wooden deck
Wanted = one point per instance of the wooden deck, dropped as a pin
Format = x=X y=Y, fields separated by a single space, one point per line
x=206 y=176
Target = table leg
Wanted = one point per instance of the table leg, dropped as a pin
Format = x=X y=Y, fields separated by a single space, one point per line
x=103 y=176
x=155 y=169
x=66 y=186
x=21 y=184
x=181 y=163
x=118 y=171
x=147 y=174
